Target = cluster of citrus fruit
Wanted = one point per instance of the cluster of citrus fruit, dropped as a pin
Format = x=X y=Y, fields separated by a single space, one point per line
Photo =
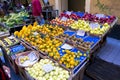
x=69 y=59
x=44 y=29
x=50 y=30
x=43 y=42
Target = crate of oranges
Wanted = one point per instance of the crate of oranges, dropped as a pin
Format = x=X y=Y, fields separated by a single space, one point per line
x=72 y=59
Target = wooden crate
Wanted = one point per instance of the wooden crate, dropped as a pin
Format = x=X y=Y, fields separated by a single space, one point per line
x=13 y=65
x=81 y=71
x=11 y=59
x=78 y=76
x=23 y=74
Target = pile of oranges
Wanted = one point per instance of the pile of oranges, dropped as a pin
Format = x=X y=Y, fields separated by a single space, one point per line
x=42 y=38
x=69 y=59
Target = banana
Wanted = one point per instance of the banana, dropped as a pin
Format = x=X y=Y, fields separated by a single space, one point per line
x=15 y=40
x=8 y=41
x=1 y=43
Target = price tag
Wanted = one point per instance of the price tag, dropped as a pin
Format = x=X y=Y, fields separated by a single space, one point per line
x=63 y=19
x=11 y=37
x=2 y=33
x=94 y=25
x=80 y=32
x=68 y=13
x=66 y=46
x=100 y=15
x=32 y=56
x=35 y=33
x=47 y=68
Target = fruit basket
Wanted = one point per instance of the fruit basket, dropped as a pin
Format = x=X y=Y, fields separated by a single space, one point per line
x=8 y=41
x=27 y=59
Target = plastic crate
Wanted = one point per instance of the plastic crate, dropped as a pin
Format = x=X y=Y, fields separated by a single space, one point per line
x=93 y=39
x=82 y=59
x=70 y=33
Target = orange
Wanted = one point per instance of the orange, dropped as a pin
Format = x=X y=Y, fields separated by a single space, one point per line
x=72 y=62
x=71 y=66
x=57 y=57
x=68 y=60
x=51 y=54
x=57 y=54
x=62 y=59
x=32 y=39
x=60 y=62
x=71 y=58
x=67 y=66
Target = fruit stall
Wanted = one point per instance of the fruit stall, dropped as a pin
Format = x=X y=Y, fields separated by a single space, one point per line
x=58 y=50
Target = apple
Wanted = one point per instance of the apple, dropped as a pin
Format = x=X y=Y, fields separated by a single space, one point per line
x=37 y=72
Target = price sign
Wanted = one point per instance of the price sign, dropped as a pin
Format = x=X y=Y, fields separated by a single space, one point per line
x=68 y=13
x=94 y=25
x=63 y=19
x=66 y=46
x=100 y=15
x=47 y=68
x=80 y=32
x=35 y=33
x=11 y=37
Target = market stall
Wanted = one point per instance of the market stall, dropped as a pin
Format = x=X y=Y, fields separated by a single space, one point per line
x=60 y=49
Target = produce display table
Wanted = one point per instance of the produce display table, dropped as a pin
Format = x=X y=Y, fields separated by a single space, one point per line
x=69 y=41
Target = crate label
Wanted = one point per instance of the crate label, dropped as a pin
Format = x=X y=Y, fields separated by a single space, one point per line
x=66 y=46
x=68 y=13
x=47 y=68
x=63 y=19
x=81 y=32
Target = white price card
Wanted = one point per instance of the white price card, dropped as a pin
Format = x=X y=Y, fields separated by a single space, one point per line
x=11 y=37
x=66 y=46
x=32 y=56
x=47 y=68
x=35 y=33
x=81 y=32
x=63 y=19
x=94 y=25
x=68 y=13
x=100 y=15
x=2 y=33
